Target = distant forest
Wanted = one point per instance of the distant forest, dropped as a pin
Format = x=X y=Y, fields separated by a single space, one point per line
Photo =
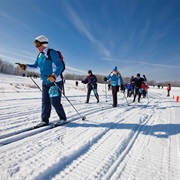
x=9 y=68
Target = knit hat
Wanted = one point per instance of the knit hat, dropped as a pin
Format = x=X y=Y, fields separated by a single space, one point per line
x=89 y=72
x=43 y=40
x=115 y=68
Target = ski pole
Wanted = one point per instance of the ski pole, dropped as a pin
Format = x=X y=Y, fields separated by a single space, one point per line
x=93 y=89
x=83 y=117
x=147 y=95
x=35 y=83
x=63 y=89
x=32 y=79
x=126 y=99
x=106 y=91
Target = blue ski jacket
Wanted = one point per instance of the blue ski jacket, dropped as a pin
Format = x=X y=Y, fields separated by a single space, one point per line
x=129 y=86
x=48 y=66
x=116 y=79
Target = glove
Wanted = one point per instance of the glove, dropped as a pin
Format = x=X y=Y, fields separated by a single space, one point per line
x=105 y=79
x=122 y=88
x=82 y=81
x=22 y=66
x=132 y=77
x=52 y=78
x=144 y=76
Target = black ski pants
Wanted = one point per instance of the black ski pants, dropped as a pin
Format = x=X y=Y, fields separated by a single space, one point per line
x=137 y=92
x=89 y=93
x=115 y=90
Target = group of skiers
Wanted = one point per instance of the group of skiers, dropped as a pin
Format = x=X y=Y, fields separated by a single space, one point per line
x=51 y=67
x=135 y=87
x=131 y=89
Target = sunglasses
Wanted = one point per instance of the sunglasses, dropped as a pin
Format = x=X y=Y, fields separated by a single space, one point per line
x=38 y=44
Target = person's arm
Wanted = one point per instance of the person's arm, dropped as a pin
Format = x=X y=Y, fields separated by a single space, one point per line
x=121 y=83
x=25 y=66
x=144 y=78
x=121 y=79
x=85 y=81
x=56 y=60
x=35 y=65
x=94 y=80
x=133 y=79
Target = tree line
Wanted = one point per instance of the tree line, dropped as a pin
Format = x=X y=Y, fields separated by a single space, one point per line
x=9 y=68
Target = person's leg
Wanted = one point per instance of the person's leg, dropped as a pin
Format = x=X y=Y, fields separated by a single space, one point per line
x=139 y=96
x=56 y=102
x=46 y=104
x=88 y=94
x=136 y=92
x=97 y=97
x=96 y=94
x=114 y=93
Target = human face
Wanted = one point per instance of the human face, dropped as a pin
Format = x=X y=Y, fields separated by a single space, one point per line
x=37 y=43
x=39 y=46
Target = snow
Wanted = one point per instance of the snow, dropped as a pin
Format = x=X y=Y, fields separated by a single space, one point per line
x=136 y=142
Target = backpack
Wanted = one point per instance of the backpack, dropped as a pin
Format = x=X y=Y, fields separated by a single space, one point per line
x=60 y=56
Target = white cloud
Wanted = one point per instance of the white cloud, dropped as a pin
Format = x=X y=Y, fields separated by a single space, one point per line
x=75 y=70
x=140 y=62
x=81 y=27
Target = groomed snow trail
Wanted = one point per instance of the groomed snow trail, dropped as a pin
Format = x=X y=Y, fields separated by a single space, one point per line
x=134 y=142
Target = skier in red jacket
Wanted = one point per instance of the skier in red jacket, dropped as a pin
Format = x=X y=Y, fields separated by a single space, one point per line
x=168 y=89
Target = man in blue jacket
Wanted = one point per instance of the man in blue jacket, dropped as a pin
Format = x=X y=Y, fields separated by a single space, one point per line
x=50 y=69
x=91 y=82
x=116 y=81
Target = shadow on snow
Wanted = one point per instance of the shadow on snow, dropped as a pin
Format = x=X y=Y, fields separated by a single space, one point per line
x=158 y=130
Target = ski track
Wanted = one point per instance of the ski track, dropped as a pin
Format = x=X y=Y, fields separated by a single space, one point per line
x=102 y=147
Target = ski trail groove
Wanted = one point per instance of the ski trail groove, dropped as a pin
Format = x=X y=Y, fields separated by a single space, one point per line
x=86 y=154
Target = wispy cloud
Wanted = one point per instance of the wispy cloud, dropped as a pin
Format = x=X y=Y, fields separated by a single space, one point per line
x=140 y=62
x=75 y=70
x=81 y=27
x=13 y=54
x=10 y=19
x=157 y=36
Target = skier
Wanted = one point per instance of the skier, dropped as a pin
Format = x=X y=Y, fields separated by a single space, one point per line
x=76 y=83
x=50 y=70
x=91 y=82
x=129 y=89
x=138 y=80
x=145 y=88
x=168 y=89
x=116 y=81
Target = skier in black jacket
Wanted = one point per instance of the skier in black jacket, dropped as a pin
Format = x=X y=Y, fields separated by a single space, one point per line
x=91 y=82
x=138 y=80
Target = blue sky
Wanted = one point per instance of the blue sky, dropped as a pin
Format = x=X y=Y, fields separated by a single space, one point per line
x=138 y=36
